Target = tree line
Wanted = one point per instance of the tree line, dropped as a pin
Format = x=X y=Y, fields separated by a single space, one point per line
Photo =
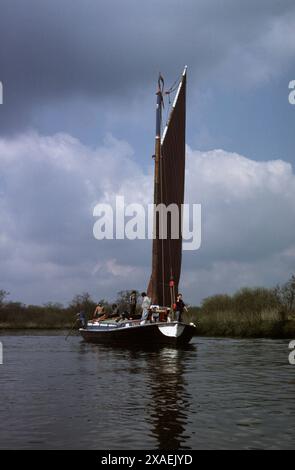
x=53 y=314
x=246 y=304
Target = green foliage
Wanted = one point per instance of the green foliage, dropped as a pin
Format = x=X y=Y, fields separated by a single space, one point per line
x=83 y=302
x=220 y=302
x=17 y=315
x=256 y=312
x=286 y=294
x=255 y=300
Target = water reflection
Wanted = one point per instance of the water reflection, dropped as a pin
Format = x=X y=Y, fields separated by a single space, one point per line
x=229 y=394
x=170 y=402
x=158 y=375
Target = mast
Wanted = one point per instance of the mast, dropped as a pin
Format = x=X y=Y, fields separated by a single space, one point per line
x=154 y=282
x=168 y=189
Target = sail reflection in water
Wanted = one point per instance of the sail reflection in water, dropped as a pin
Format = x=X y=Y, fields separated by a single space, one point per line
x=170 y=402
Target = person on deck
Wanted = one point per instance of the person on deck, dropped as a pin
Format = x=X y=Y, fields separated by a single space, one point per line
x=99 y=312
x=180 y=307
x=82 y=319
x=115 y=311
x=132 y=303
x=146 y=303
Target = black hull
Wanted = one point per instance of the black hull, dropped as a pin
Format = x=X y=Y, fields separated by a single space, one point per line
x=148 y=334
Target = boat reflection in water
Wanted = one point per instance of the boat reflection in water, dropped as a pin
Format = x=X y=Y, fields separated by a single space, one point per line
x=170 y=400
x=141 y=395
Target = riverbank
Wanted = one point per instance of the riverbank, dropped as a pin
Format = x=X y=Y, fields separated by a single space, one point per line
x=265 y=324
x=217 y=324
x=53 y=320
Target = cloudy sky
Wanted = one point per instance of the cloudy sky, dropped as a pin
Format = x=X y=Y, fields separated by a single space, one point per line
x=77 y=128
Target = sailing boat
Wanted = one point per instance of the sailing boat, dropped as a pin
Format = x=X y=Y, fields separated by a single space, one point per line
x=167 y=250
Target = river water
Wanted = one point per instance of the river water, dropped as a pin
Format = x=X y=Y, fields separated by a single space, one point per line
x=214 y=394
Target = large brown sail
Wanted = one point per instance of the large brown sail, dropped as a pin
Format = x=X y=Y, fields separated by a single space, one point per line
x=169 y=189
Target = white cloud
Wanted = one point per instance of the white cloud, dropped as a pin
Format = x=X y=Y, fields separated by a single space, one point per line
x=256 y=47
x=49 y=186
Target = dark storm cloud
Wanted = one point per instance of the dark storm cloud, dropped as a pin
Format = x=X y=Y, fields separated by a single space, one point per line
x=52 y=50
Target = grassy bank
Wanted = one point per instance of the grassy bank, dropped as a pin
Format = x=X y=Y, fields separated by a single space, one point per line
x=265 y=324
x=249 y=313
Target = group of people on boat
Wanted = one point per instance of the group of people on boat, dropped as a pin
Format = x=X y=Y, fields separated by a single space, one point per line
x=147 y=312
